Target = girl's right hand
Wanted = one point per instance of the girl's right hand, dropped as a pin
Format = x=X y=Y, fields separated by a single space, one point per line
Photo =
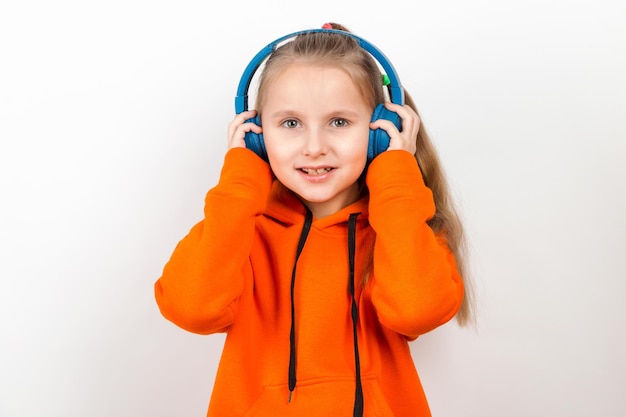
x=238 y=128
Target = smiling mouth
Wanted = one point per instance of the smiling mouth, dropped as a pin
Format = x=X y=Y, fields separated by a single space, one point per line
x=315 y=171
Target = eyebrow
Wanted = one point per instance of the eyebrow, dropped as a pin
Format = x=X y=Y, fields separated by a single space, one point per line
x=333 y=113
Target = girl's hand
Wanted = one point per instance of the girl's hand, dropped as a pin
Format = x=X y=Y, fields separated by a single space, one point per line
x=239 y=126
x=405 y=140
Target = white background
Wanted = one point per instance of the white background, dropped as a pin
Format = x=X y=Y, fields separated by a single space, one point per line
x=112 y=124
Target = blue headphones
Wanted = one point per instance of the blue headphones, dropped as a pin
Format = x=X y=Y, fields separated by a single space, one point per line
x=378 y=138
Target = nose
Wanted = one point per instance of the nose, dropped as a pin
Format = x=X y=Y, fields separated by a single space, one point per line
x=315 y=143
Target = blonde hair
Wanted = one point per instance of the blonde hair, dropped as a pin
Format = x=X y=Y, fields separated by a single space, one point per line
x=344 y=52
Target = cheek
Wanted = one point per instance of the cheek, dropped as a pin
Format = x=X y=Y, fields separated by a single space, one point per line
x=273 y=143
x=280 y=155
x=356 y=150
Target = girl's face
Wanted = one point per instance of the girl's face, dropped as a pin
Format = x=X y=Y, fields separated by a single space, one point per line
x=316 y=128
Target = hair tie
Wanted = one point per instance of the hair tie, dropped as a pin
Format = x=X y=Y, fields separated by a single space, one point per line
x=327 y=26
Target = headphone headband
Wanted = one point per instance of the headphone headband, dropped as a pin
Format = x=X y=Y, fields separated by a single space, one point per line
x=241 y=100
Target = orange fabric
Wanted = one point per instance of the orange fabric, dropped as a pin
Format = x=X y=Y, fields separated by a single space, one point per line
x=232 y=273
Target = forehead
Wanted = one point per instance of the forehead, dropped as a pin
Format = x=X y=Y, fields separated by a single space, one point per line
x=311 y=69
x=304 y=76
x=300 y=83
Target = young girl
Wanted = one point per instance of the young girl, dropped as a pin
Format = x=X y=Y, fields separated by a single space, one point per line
x=322 y=264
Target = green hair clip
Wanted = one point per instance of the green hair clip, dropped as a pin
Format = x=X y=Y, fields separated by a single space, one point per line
x=386 y=80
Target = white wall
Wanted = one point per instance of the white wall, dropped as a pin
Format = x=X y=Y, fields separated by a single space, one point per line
x=112 y=124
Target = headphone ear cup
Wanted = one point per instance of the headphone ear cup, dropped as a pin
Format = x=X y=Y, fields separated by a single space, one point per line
x=255 y=141
x=379 y=138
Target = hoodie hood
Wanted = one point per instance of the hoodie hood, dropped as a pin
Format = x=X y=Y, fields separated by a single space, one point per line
x=285 y=207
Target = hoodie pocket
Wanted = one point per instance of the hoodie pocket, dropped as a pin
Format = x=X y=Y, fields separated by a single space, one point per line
x=320 y=398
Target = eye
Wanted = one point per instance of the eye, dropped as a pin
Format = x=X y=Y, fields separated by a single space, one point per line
x=291 y=124
x=340 y=123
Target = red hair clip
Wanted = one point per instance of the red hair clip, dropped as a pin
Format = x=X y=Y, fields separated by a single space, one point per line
x=327 y=26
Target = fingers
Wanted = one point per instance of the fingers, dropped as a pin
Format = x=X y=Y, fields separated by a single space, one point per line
x=405 y=140
x=238 y=128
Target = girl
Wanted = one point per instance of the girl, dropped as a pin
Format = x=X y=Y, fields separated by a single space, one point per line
x=320 y=265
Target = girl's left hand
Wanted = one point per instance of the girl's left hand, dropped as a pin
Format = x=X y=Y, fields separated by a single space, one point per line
x=405 y=140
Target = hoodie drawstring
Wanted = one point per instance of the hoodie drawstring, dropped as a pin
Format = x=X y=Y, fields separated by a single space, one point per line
x=358 y=395
x=308 y=220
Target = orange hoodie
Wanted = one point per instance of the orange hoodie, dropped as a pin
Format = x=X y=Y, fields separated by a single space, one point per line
x=237 y=272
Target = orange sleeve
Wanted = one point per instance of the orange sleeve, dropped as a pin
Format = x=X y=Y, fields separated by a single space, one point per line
x=415 y=283
x=202 y=281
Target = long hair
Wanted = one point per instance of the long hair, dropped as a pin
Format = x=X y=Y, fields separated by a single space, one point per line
x=344 y=52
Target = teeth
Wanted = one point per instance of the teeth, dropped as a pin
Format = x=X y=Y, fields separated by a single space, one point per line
x=318 y=171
